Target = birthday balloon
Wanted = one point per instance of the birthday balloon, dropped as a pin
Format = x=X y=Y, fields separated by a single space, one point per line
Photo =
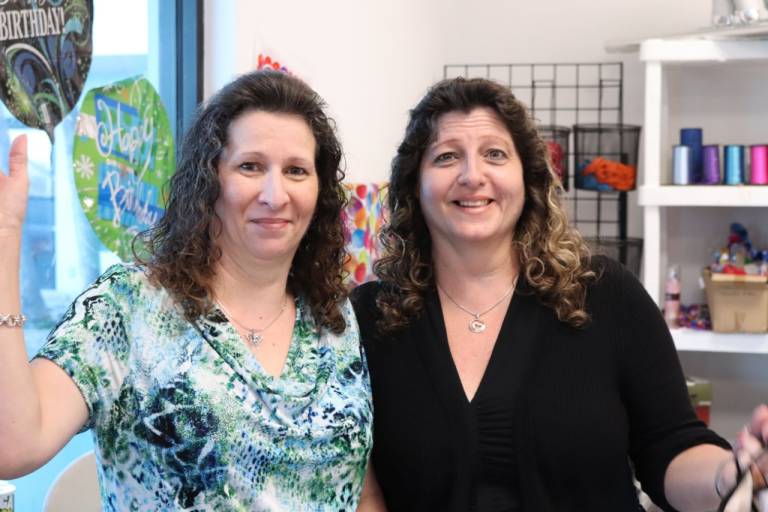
x=123 y=154
x=46 y=47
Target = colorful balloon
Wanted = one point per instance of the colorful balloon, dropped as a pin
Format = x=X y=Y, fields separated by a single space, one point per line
x=123 y=155
x=46 y=47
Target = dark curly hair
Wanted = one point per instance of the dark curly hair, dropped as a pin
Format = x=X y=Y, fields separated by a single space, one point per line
x=180 y=249
x=553 y=258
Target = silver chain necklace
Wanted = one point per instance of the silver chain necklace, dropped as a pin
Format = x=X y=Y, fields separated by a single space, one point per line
x=254 y=336
x=476 y=326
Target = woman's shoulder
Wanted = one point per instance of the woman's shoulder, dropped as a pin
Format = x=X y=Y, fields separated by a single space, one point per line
x=363 y=296
x=607 y=270
x=127 y=283
x=121 y=272
x=121 y=277
x=613 y=281
x=363 y=299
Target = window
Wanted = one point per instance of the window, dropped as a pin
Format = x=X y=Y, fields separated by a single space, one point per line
x=61 y=255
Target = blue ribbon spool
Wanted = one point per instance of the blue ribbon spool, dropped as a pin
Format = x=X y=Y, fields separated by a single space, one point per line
x=734 y=164
x=681 y=165
x=692 y=137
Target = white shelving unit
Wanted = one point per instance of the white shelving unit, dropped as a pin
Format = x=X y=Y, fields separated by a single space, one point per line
x=703 y=195
x=709 y=341
x=655 y=196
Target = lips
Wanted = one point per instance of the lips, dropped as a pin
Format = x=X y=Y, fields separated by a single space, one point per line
x=472 y=203
x=271 y=222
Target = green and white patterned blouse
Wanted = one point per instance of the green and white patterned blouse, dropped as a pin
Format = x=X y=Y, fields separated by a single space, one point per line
x=185 y=418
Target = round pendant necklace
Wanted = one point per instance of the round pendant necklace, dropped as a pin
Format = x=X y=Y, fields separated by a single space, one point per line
x=254 y=336
x=476 y=325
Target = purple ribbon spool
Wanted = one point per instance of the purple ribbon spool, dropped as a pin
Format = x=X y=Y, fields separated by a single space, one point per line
x=711 y=157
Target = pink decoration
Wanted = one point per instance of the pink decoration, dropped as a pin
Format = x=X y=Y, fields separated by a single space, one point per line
x=363 y=219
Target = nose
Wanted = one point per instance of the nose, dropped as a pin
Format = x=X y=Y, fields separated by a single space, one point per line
x=273 y=193
x=471 y=172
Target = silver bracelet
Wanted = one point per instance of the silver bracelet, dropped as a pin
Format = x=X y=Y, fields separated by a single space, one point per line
x=719 y=472
x=12 y=320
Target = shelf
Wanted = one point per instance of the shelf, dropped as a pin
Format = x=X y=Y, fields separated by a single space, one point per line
x=709 y=47
x=703 y=195
x=710 y=341
x=739 y=32
x=702 y=50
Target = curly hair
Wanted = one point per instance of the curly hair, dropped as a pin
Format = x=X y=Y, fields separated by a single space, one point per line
x=552 y=256
x=180 y=247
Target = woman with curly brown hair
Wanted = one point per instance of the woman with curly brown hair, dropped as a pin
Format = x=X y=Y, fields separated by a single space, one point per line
x=224 y=371
x=510 y=370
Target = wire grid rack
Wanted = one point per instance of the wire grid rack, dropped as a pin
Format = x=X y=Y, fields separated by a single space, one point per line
x=566 y=94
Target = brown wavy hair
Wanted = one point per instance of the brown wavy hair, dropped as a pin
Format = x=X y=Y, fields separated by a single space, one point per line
x=553 y=258
x=180 y=247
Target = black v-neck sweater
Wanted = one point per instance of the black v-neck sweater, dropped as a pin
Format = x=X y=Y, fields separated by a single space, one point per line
x=559 y=414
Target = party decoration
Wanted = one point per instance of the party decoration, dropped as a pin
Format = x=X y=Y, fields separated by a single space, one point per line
x=123 y=155
x=267 y=62
x=46 y=47
x=363 y=218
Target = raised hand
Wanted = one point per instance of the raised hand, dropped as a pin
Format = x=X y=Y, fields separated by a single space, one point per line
x=14 y=187
x=750 y=447
x=753 y=437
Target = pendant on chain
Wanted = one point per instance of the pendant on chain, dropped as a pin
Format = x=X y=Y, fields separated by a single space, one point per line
x=254 y=338
x=476 y=325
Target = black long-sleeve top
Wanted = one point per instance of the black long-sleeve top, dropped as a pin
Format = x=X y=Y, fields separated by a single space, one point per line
x=581 y=403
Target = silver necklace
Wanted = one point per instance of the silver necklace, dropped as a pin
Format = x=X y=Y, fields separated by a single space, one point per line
x=476 y=325
x=254 y=336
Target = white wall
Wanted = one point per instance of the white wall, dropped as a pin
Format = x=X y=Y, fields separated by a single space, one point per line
x=373 y=60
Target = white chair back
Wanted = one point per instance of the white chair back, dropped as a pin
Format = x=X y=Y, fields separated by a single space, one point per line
x=76 y=489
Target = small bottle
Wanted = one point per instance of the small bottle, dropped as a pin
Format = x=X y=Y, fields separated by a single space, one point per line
x=672 y=297
x=739 y=255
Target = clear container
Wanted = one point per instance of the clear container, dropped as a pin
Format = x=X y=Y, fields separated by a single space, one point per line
x=7 y=491
x=746 y=11
x=722 y=13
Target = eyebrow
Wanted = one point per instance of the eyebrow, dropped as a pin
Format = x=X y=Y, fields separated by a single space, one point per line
x=438 y=142
x=299 y=160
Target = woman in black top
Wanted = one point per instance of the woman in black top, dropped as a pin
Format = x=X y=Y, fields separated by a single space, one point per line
x=510 y=370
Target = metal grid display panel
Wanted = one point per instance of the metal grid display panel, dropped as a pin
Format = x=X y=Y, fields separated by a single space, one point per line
x=568 y=94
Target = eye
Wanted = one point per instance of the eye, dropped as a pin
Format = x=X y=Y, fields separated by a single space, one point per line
x=445 y=158
x=496 y=154
x=296 y=171
x=248 y=166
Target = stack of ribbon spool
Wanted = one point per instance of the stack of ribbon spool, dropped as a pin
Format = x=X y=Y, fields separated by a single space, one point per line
x=696 y=163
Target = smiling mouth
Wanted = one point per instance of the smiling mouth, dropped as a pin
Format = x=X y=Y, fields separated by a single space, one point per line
x=473 y=204
x=270 y=222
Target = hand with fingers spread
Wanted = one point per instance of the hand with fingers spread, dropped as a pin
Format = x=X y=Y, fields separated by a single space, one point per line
x=752 y=440
x=14 y=187
x=744 y=473
x=757 y=430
